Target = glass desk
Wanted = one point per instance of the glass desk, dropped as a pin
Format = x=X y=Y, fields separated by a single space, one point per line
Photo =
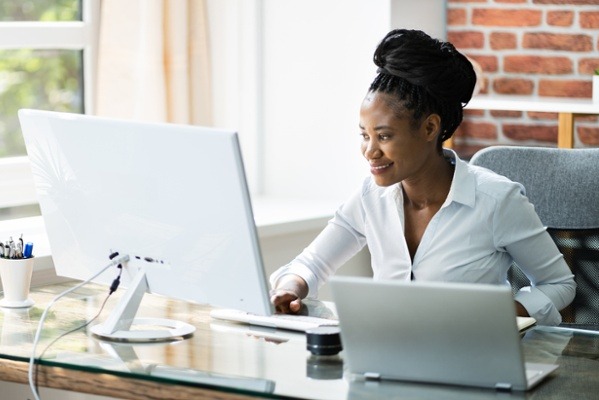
x=230 y=361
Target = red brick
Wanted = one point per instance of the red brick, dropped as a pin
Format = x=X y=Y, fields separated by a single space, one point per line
x=542 y=115
x=456 y=16
x=478 y=130
x=487 y=63
x=588 y=65
x=506 y=114
x=473 y=113
x=537 y=64
x=589 y=19
x=565 y=88
x=466 y=39
x=467 y=1
x=502 y=40
x=571 y=2
x=556 y=41
x=560 y=18
x=586 y=118
x=511 y=1
x=544 y=133
x=503 y=17
x=513 y=86
x=588 y=135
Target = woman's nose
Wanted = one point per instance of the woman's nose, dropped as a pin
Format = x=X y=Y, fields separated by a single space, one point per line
x=372 y=150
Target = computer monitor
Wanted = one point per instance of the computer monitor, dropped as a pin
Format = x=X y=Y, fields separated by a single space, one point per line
x=172 y=197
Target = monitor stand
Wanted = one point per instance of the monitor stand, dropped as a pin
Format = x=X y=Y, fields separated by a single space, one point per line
x=121 y=325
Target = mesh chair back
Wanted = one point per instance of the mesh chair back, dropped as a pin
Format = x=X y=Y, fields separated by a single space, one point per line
x=563 y=185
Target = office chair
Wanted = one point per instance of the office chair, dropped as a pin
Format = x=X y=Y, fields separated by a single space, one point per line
x=563 y=185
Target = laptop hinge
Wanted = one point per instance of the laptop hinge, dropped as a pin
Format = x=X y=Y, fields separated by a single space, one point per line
x=372 y=375
x=503 y=386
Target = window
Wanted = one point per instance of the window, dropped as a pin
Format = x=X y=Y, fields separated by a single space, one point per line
x=47 y=58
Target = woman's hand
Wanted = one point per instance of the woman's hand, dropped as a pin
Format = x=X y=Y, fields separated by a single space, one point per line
x=285 y=302
x=521 y=311
x=287 y=295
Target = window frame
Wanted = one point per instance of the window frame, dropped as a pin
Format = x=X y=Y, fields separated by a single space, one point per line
x=16 y=184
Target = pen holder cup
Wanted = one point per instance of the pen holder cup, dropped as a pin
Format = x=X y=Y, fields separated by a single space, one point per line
x=16 y=280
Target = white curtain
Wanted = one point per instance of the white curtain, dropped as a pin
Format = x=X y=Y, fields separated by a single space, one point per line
x=153 y=61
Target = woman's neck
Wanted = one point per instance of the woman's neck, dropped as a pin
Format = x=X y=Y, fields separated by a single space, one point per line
x=431 y=187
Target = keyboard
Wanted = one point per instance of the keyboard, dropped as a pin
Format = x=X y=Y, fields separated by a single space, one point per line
x=281 y=321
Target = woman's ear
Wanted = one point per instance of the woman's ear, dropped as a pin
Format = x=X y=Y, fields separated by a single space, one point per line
x=431 y=127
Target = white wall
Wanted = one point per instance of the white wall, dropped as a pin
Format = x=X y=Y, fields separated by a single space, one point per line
x=427 y=15
x=317 y=69
x=290 y=75
x=235 y=43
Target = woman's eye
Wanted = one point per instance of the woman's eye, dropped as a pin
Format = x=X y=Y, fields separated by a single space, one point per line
x=364 y=136
x=384 y=137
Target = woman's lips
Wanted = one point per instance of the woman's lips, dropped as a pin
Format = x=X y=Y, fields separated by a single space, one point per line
x=379 y=169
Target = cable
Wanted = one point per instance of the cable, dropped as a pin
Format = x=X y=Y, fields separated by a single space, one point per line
x=114 y=261
x=41 y=356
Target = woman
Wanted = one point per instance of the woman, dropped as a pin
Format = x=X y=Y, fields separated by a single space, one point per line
x=424 y=213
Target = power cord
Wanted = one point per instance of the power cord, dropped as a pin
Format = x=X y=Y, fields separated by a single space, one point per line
x=41 y=356
x=115 y=260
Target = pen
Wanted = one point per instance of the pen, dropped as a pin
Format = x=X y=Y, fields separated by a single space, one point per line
x=28 y=251
x=20 y=247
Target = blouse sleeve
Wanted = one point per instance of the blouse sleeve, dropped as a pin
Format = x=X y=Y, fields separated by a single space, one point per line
x=340 y=240
x=519 y=231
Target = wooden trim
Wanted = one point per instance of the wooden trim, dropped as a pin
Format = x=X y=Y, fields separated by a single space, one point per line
x=110 y=385
x=565 y=130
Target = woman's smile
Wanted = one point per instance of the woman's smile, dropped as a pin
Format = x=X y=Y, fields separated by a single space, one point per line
x=379 y=169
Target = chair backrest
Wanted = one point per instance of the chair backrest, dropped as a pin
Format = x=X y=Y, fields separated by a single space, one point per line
x=563 y=185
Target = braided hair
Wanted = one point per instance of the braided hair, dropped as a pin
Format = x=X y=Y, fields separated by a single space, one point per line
x=425 y=76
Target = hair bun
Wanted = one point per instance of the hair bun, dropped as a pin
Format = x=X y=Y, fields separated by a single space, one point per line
x=437 y=66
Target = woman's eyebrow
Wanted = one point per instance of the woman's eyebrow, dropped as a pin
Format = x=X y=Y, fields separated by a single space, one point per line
x=377 y=128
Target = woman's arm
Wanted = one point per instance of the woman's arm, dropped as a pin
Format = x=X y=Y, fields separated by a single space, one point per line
x=520 y=231
x=340 y=240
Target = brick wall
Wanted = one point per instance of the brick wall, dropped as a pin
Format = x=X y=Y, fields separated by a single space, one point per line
x=526 y=47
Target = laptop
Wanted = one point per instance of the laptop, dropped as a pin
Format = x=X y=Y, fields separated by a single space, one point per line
x=432 y=332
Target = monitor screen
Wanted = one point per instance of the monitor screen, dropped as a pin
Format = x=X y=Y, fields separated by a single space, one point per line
x=172 y=197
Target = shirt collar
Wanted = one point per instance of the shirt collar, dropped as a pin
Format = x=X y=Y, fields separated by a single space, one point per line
x=463 y=185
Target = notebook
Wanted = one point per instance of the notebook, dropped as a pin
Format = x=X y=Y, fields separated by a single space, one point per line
x=447 y=333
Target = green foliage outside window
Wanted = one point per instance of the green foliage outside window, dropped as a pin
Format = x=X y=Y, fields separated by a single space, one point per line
x=46 y=79
x=40 y=10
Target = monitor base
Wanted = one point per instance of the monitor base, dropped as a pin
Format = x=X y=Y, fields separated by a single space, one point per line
x=120 y=324
x=165 y=330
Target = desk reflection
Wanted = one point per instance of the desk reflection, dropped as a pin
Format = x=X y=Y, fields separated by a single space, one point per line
x=124 y=357
x=16 y=327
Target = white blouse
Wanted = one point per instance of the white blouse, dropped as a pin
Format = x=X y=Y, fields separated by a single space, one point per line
x=485 y=224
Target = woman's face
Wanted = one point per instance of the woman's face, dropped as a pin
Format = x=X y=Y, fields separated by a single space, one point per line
x=396 y=146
